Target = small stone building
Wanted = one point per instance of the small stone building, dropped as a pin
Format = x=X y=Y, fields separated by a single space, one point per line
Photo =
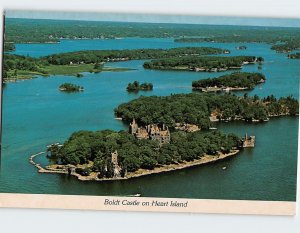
x=248 y=141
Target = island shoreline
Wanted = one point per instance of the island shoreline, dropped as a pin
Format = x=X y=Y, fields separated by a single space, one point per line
x=206 y=159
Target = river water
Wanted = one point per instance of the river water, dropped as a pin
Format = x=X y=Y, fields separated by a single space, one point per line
x=36 y=114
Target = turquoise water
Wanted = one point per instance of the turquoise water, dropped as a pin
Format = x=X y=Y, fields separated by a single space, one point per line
x=35 y=114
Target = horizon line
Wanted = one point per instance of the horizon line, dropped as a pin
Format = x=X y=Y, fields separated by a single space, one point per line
x=154 y=18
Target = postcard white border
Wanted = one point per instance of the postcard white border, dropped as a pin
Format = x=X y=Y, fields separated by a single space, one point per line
x=79 y=202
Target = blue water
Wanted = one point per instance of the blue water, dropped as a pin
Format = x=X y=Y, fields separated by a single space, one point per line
x=35 y=114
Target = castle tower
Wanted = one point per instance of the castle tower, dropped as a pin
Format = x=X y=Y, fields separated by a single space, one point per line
x=133 y=127
x=114 y=161
x=114 y=158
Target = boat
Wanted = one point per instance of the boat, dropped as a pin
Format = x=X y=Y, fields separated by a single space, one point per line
x=135 y=195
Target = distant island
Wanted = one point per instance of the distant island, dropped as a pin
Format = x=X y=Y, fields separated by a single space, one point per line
x=69 y=87
x=16 y=67
x=94 y=56
x=241 y=47
x=281 y=44
x=229 y=82
x=136 y=86
x=201 y=109
x=287 y=47
x=202 y=64
x=294 y=56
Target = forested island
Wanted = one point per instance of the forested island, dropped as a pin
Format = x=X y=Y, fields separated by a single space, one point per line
x=136 y=86
x=108 y=154
x=230 y=82
x=204 y=64
x=73 y=63
x=93 y=56
x=201 y=109
x=69 y=87
x=294 y=56
x=111 y=155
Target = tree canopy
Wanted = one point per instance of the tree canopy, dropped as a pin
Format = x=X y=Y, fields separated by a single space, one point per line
x=236 y=79
x=197 y=108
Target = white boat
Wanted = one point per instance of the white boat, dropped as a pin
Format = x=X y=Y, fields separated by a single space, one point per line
x=135 y=195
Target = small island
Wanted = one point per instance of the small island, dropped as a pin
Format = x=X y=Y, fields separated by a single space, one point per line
x=294 y=56
x=69 y=87
x=202 y=64
x=136 y=86
x=241 y=47
x=230 y=82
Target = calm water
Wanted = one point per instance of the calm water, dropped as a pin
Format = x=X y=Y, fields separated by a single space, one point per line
x=35 y=114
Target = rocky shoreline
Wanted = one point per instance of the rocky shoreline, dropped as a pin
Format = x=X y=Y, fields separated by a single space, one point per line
x=65 y=169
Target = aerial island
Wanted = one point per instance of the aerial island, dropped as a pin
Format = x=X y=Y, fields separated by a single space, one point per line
x=230 y=82
x=69 y=87
x=202 y=63
x=156 y=142
x=136 y=86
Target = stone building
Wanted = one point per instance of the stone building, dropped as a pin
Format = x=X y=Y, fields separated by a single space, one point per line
x=116 y=168
x=152 y=132
x=248 y=141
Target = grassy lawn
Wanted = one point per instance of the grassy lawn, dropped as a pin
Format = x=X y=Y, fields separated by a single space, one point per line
x=77 y=69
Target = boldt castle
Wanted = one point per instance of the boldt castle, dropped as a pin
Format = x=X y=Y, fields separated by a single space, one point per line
x=152 y=132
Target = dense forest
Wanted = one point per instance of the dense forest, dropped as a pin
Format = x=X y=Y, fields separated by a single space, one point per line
x=93 y=56
x=69 y=87
x=15 y=66
x=294 y=56
x=233 y=80
x=52 y=31
x=85 y=146
x=136 y=86
x=197 y=108
x=195 y=63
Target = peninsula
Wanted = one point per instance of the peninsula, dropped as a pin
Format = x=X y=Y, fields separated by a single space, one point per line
x=73 y=63
x=202 y=64
x=230 y=82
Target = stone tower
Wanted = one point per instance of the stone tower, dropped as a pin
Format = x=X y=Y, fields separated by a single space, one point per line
x=115 y=164
x=133 y=128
